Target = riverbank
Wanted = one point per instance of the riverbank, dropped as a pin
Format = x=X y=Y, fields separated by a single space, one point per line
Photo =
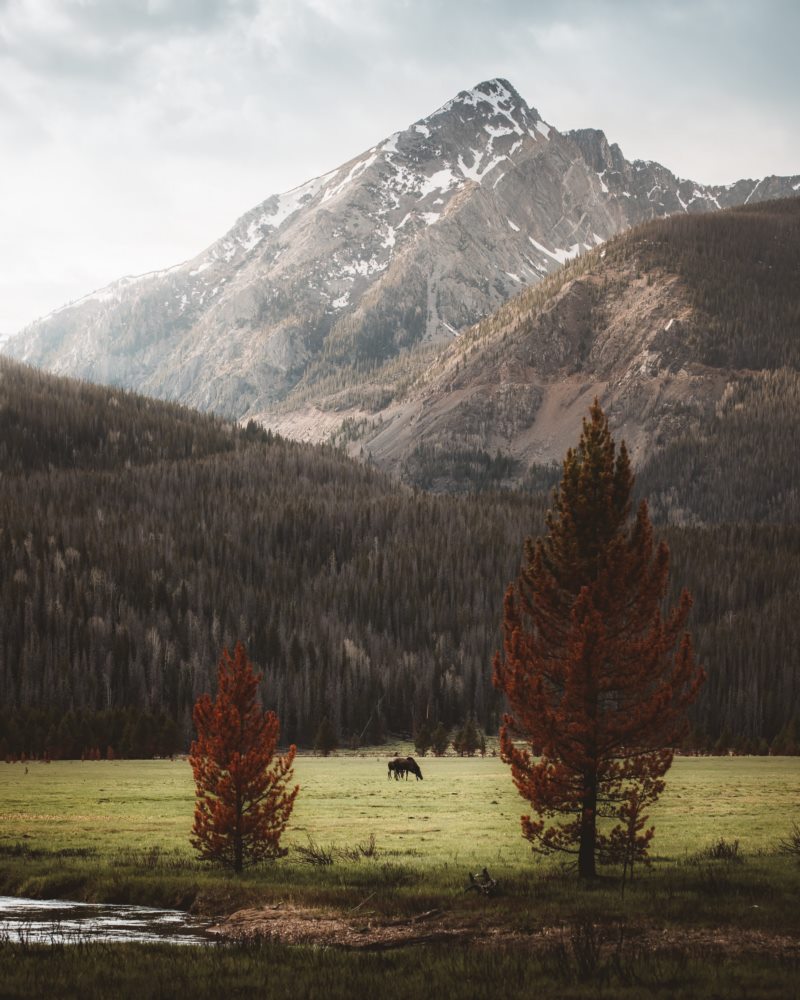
x=59 y=922
x=706 y=927
x=718 y=889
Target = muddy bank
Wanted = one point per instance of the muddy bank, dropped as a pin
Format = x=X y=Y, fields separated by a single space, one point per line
x=297 y=925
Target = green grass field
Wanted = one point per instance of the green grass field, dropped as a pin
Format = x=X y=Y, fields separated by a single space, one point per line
x=466 y=811
x=119 y=831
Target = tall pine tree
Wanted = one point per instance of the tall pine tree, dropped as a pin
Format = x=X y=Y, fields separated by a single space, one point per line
x=590 y=669
x=243 y=799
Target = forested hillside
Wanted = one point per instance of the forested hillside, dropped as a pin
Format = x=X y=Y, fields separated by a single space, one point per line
x=741 y=465
x=366 y=602
x=741 y=270
x=688 y=331
x=50 y=422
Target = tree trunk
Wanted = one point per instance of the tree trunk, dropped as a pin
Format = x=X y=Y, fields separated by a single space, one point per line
x=586 y=847
x=238 y=846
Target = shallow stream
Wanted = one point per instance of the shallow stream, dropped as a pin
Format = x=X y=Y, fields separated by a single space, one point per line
x=56 y=921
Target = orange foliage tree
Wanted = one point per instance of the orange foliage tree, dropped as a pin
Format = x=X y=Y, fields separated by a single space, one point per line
x=243 y=796
x=596 y=677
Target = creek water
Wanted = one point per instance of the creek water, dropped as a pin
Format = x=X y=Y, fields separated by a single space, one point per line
x=56 y=921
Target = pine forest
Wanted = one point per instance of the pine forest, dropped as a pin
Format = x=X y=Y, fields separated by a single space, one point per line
x=138 y=539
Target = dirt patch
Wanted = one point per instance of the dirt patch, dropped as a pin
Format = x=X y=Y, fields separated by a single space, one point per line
x=297 y=925
x=729 y=940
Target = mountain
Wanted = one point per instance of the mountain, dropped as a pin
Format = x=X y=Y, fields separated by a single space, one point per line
x=688 y=331
x=373 y=266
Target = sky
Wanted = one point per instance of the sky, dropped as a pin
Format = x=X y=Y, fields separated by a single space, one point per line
x=133 y=133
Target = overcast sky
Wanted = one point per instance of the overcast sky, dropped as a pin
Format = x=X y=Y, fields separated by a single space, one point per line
x=133 y=133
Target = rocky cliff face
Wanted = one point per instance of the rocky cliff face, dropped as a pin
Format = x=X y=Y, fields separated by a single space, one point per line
x=368 y=268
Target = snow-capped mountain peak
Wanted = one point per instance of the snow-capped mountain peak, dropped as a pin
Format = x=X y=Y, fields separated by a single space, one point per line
x=404 y=245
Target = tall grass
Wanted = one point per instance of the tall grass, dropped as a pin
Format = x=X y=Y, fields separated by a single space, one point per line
x=572 y=966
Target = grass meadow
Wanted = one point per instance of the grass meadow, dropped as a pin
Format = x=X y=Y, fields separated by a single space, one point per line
x=118 y=831
x=465 y=812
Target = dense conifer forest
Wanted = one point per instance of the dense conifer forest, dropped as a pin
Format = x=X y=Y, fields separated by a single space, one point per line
x=137 y=539
x=741 y=466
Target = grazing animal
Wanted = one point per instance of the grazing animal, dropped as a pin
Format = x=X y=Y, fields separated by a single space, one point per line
x=400 y=767
x=397 y=768
x=413 y=767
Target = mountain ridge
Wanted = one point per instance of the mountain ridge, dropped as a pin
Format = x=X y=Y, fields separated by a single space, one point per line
x=676 y=326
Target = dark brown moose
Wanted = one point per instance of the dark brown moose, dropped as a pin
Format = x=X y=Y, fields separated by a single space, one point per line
x=400 y=767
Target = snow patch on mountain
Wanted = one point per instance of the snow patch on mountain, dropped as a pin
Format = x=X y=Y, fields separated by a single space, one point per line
x=441 y=180
x=355 y=171
x=558 y=255
x=497 y=99
x=496 y=133
x=478 y=169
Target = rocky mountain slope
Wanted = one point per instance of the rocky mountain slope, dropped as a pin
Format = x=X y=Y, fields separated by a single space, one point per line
x=377 y=263
x=688 y=331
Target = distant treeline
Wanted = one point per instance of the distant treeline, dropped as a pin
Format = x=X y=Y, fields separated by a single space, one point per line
x=59 y=423
x=367 y=603
x=49 y=734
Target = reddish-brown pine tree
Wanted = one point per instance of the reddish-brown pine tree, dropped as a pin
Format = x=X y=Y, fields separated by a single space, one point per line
x=243 y=800
x=594 y=682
